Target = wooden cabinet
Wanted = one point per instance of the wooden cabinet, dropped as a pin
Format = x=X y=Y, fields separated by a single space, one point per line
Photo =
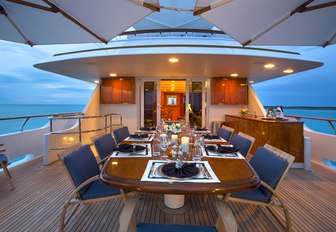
x=285 y=135
x=118 y=90
x=230 y=91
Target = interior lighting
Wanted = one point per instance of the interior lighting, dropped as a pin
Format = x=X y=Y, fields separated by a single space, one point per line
x=270 y=65
x=288 y=71
x=173 y=60
x=96 y=81
x=112 y=74
x=234 y=75
x=251 y=82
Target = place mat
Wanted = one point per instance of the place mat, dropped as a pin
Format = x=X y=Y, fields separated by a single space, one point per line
x=147 y=129
x=213 y=138
x=208 y=151
x=203 y=130
x=187 y=170
x=153 y=172
x=140 y=137
x=141 y=150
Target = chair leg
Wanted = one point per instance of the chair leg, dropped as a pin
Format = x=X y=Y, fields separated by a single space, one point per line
x=62 y=218
x=9 y=177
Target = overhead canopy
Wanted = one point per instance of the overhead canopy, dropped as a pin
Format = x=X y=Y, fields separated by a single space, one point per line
x=273 y=22
x=38 y=22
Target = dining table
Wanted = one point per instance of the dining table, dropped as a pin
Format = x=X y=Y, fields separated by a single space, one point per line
x=222 y=174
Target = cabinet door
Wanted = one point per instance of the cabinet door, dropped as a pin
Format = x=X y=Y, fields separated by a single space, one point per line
x=241 y=91
x=117 y=91
x=105 y=91
x=217 y=91
x=128 y=90
x=230 y=91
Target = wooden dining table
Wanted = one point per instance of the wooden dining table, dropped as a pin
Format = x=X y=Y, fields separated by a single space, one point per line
x=234 y=175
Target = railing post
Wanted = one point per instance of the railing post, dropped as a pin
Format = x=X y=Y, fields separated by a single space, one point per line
x=105 y=117
x=51 y=124
x=80 y=129
x=111 y=123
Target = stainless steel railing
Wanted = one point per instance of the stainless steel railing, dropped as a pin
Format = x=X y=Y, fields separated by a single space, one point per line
x=108 y=123
x=329 y=120
x=28 y=117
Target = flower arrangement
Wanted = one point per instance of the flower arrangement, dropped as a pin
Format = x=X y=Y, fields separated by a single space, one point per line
x=244 y=111
x=174 y=128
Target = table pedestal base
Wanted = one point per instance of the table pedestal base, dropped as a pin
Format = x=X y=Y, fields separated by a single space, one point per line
x=174 y=201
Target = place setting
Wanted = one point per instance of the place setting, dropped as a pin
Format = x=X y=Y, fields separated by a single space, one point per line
x=132 y=150
x=201 y=130
x=222 y=151
x=140 y=137
x=179 y=171
x=146 y=130
x=213 y=138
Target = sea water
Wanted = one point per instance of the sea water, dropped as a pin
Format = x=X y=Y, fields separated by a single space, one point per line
x=16 y=110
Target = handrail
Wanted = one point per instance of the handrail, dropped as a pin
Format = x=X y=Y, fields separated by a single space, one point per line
x=108 y=123
x=329 y=120
x=28 y=117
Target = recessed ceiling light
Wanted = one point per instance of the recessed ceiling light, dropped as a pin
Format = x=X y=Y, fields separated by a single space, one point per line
x=96 y=81
x=251 y=82
x=234 y=74
x=270 y=65
x=173 y=60
x=288 y=71
x=113 y=74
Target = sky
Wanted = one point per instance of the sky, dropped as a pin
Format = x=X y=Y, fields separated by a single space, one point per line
x=21 y=83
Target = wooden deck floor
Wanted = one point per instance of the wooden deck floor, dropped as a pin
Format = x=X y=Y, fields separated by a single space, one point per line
x=40 y=192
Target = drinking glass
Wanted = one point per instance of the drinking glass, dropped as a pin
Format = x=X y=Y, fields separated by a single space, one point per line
x=156 y=150
x=197 y=153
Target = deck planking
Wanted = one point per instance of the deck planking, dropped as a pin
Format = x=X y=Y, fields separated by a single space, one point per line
x=36 y=202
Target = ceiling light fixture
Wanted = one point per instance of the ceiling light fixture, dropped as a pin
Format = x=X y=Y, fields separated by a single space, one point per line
x=270 y=65
x=96 y=81
x=113 y=75
x=251 y=82
x=173 y=60
x=234 y=74
x=288 y=71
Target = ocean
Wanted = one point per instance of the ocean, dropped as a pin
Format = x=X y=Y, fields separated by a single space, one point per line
x=10 y=126
x=16 y=110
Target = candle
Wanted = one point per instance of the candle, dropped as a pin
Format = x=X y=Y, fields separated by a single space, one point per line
x=185 y=144
x=174 y=137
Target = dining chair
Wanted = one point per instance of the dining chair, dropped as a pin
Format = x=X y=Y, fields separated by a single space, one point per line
x=271 y=164
x=128 y=221
x=243 y=142
x=225 y=132
x=104 y=144
x=121 y=134
x=4 y=162
x=83 y=171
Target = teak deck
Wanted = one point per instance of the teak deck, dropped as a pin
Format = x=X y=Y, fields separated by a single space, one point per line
x=40 y=192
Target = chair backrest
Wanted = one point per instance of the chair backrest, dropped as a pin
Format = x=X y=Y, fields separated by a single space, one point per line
x=121 y=134
x=104 y=144
x=271 y=164
x=243 y=142
x=225 y=132
x=80 y=163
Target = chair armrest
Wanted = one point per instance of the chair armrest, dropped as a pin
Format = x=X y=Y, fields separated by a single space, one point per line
x=75 y=192
x=127 y=219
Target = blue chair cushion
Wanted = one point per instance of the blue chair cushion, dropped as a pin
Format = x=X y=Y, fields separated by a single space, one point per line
x=148 y=227
x=81 y=165
x=121 y=134
x=241 y=143
x=253 y=195
x=105 y=145
x=96 y=190
x=269 y=167
x=4 y=159
x=225 y=134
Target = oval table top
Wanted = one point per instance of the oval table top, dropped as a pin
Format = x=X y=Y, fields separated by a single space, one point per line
x=126 y=173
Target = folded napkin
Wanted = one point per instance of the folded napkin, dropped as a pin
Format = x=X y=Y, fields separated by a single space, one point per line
x=211 y=137
x=201 y=129
x=139 y=136
x=187 y=170
x=129 y=148
x=147 y=128
x=222 y=149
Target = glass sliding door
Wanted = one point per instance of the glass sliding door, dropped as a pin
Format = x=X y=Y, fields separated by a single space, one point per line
x=150 y=103
x=196 y=104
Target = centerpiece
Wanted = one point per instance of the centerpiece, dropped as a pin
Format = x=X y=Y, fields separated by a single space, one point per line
x=244 y=111
x=174 y=128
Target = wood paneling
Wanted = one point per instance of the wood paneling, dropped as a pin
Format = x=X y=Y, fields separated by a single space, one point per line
x=117 y=90
x=229 y=91
x=285 y=135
